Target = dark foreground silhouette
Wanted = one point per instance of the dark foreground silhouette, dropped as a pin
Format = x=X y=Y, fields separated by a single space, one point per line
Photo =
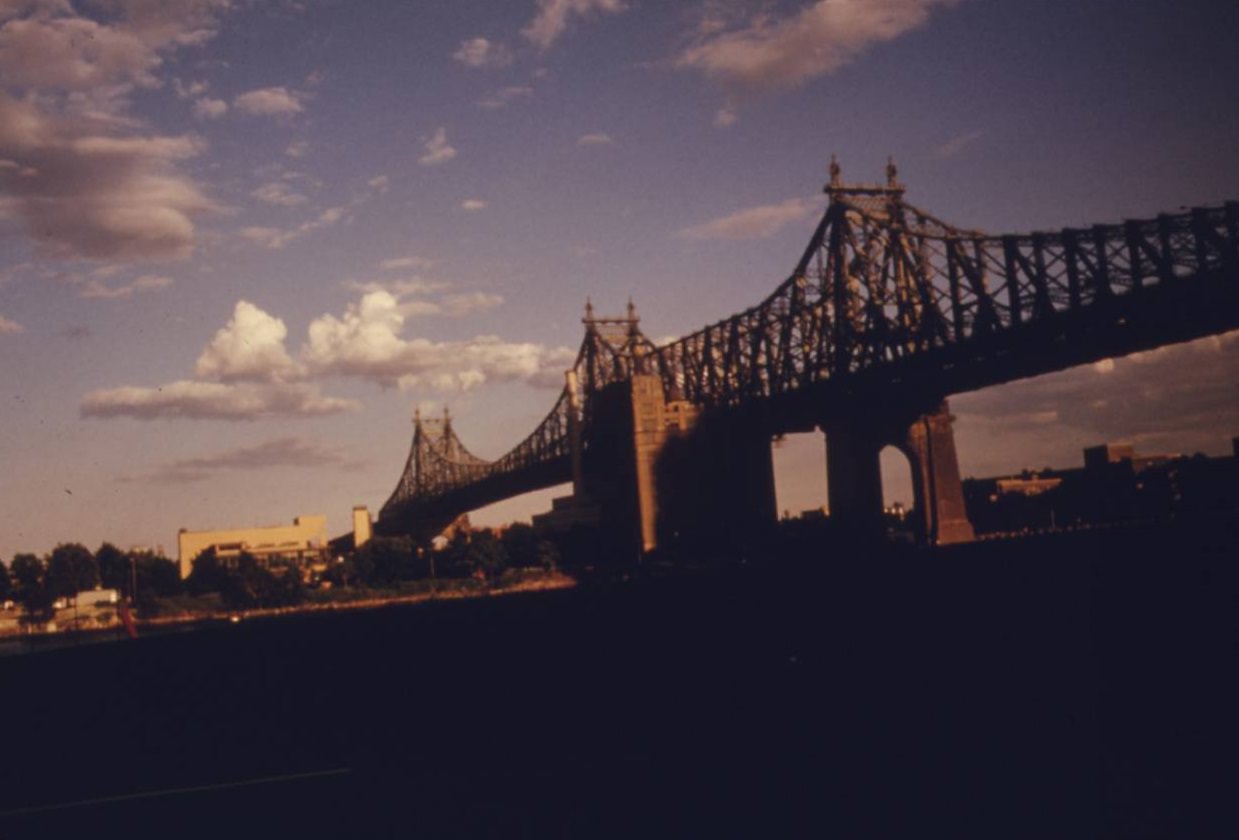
x=1076 y=686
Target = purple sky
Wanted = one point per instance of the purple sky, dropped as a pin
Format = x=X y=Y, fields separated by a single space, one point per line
x=241 y=241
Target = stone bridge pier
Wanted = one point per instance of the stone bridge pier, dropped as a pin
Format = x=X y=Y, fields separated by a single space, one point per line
x=663 y=472
x=854 y=442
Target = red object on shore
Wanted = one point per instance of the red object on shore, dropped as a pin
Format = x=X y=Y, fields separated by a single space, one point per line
x=126 y=618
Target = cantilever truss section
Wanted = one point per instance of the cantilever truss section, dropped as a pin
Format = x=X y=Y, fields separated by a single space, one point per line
x=880 y=284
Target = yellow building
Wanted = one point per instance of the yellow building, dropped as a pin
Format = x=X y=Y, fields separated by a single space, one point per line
x=304 y=540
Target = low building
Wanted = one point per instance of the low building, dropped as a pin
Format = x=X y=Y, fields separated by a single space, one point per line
x=305 y=541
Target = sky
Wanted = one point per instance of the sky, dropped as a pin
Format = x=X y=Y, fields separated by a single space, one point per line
x=241 y=241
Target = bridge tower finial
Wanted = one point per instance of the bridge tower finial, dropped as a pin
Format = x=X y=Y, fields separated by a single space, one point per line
x=589 y=311
x=892 y=173
x=836 y=172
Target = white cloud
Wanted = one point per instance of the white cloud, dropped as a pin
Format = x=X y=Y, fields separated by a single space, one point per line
x=1104 y=366
x=725 y=116
x=95 y=288
x=269 y=101
x=297 y=148
x=209 y=109
x=753 y=222
x=553 y=15
x=366 y=343
x=250 y=347
x=769 y=53
x=596 y=139
x=279 y=193
x=481 y=52
x=466 y=302
x=472 y=204
x=188 y=399
x=379 y=183
x=276 y=238
x=10 y=327
x=399 y=263
x=437 y=149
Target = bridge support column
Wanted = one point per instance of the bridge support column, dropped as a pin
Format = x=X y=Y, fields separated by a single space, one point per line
x=854 y=473
x=939 y=495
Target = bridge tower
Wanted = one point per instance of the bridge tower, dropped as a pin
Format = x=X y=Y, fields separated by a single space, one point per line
x=914 y=421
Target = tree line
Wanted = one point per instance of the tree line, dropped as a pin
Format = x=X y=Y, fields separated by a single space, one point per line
x=36 y=583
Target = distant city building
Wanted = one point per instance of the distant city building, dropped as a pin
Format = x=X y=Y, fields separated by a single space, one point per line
x=363 y=526
x=1116 y=485
x=305 y=541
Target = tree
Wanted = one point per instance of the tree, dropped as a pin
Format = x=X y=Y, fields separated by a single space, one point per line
x=207 y=574
x=381 y=561
x=113 y=567
x=29 y=575
x=70 y=569
x=6 y=584
x=521 y=543
x=161 y=575
x=487 y=554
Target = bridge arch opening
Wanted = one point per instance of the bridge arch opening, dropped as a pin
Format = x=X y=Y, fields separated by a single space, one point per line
x=898 y=491
x=799 y=474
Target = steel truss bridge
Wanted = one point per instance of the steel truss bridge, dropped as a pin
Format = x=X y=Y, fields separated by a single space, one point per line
x=886 y=303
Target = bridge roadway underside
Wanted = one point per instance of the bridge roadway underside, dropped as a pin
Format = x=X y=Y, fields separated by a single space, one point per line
x=425 y=520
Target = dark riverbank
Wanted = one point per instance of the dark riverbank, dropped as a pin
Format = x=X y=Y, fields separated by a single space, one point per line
x=1077 y=686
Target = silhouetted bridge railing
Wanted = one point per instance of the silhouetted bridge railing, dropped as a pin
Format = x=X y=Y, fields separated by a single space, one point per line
x=887 y=305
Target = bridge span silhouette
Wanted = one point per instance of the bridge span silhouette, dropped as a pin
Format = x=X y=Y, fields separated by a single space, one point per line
x=887 y=313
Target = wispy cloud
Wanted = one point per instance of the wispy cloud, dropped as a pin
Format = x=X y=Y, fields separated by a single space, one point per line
x=753 y=222
x=595 y=139
x=957 y=144
x=269 y=101
x=553 y=17
x=768 y=53
x=474 y=204
x=501 y=97
x=284 y=452
x=94 y=288
x=482 y=52
x=9 y=326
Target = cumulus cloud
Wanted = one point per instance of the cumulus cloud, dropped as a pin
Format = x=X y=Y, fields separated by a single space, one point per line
x=768 y=53
x=481 y=52
x=553 y=16
x=10 y=327
x=366 y=343
x=191 y=399
x=753 y=222
x=438 y=150
x=95 y=288
x=297 y=149
x=596 y=139
x=269 y=101
x=250 y=347
x=84 y=182
x=280 y=452
x=472 y=204
x=379 y=183
x=209 y=109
